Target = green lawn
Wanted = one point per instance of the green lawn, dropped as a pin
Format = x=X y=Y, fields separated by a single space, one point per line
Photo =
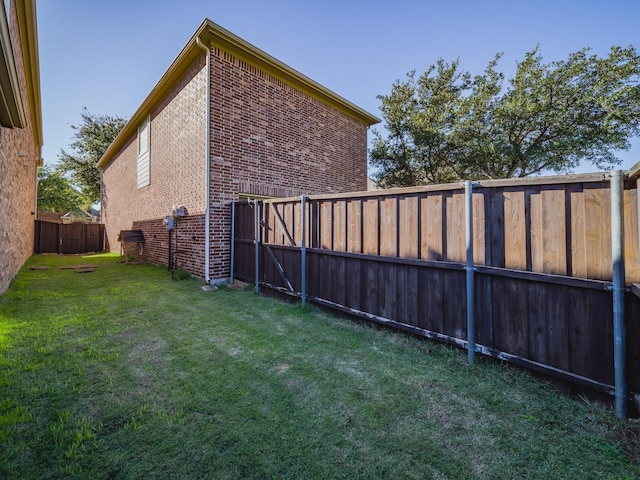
x=124 y=373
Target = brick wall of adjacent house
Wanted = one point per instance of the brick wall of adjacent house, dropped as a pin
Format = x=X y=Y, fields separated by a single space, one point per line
x=187 y=243
x=17 y=183
x=177 y=173
x=267 y=138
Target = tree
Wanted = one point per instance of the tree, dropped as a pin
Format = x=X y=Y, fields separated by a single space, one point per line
x=91 y=139
x=446 y=125
x=55 y=194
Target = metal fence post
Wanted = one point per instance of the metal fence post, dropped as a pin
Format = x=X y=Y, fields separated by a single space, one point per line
x=233 y=239
x=256 y=213
x=471 y=326
x=617 y=257
x=303 y=250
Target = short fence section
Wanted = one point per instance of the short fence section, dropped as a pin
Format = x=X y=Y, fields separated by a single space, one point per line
x=68 y=238
x=542 y=266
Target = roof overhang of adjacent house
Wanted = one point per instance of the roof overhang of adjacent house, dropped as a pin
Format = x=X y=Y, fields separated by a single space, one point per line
x=11 y=107
x=212 y=34
x=12 y=111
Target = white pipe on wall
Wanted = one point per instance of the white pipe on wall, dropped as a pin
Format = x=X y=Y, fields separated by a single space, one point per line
x=207 y=187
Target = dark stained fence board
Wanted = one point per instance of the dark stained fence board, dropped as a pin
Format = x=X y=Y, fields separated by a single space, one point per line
x=338 y=280
x=632 y=309
x=353 y=290
x=431 y=304
x=244 y=221
x=484 y=309
x=454 y=304
x=387 y=291
x=538 y=328
x=244 y=262
x=94 y=237
x=408 y=292
x=314 y=281
x=72 y=236
x=369 y=289
x=495 y=208
x=510 y=319
x=589 y=326
x=47 y=237
x=557 y=313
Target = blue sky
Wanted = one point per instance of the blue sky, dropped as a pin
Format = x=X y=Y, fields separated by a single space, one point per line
x=107 y=55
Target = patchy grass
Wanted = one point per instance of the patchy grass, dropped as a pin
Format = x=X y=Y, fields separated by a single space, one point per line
x=122 y=373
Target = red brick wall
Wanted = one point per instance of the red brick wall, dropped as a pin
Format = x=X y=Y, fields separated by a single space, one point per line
x=17 y=183
x=271 y=139
x=267 y=138
x=187 y=239
x=177 y=165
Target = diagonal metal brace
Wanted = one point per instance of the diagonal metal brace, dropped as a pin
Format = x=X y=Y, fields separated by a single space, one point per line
x=282 y=225
x=281 y=271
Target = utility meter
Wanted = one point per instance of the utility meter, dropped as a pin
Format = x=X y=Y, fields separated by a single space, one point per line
x=168 y=221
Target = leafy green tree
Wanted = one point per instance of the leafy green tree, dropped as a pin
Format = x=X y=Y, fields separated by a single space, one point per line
x=446 y=125
x=55 y=193
x=91 y=139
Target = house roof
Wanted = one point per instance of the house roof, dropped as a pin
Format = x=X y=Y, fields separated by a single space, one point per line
x=211 y=34
x=12 y=111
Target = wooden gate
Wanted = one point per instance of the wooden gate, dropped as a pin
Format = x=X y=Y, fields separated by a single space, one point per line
x=47 y=237
x=70 y=238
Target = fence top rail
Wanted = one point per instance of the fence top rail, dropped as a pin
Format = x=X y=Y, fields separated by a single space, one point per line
x=634 y=171
x=500 y=183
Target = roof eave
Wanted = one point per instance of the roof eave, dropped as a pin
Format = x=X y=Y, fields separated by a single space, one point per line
x=210 y=34
x=216 y=35
x=27 y=23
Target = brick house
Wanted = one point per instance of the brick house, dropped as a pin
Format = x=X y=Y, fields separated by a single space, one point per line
x=20 y=134
x=225 y=121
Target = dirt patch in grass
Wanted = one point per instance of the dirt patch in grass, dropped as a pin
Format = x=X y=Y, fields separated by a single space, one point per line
x=282 y=367
x=238 y=285
x=84 y=268
x=134 y=262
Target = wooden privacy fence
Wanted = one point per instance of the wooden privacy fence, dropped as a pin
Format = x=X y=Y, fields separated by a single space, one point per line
x=68 y=238
x=537 y=270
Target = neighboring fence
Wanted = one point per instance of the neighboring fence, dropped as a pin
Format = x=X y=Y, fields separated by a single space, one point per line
x=541 y=273
x=68 y=238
